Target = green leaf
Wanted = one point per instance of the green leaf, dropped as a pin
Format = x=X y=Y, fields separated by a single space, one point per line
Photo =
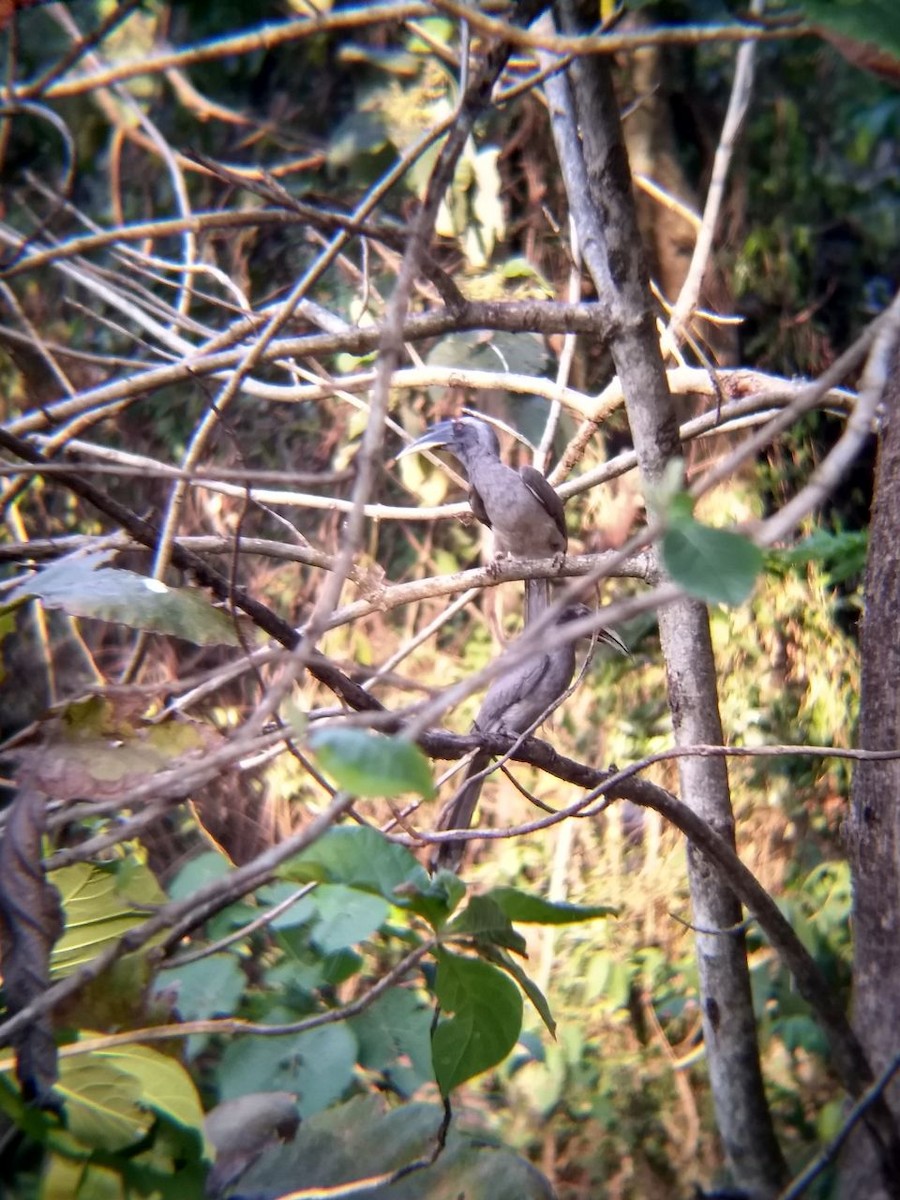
x=101 y=1104
x=394 y=1036
x=360 y=858
x=667 y=498
x=436 y=899
x=487 y=1008
x=521 y=268
x=534 y=910
x=345 y=916
x=520 y=353
x=448 y=885
x=440 y=29
x=209 y=987
x=527 y=984
x=483 y=919
x=681 y=504
x=80 y=586
x=876 y=22
x=62 y=1176
x=101 y=903
x=318 y=1065
x=365 y=1136
x=842 y=555
x=715 y=565
x=801 y=1032
x=196 y=873
x=110 y=1095
x=368 y=764
x=365 y=860
x=166 y=1086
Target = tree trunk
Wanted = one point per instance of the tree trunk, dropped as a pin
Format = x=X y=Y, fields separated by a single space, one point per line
x=595 y=169
x=874 y=826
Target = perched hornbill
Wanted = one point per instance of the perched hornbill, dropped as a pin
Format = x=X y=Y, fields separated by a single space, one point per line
x=522 y=510
x=513 y=703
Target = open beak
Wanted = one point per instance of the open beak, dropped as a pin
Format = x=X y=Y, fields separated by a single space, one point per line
x=438 y=435
x=575 y=612
x=612 y=639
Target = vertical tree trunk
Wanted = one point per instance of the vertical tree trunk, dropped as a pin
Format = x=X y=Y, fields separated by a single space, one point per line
x=874 y=827
x=607 y=227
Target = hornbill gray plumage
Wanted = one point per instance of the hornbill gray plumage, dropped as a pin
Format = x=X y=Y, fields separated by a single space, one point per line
x=522 y=510
x=513 y=703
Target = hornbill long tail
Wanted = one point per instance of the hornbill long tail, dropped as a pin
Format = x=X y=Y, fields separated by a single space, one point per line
x=512 y=704
x=522 y=510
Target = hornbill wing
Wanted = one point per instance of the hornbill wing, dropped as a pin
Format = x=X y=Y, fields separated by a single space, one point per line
x=537 y=591
x=477 y=505
x=514 y=701
x=548 y=497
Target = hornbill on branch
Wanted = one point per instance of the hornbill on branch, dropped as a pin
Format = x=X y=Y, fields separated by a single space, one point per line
x=515 y=701
x=522 y=510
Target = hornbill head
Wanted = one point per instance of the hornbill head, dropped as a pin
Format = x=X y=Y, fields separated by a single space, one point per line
x=460 y=435
x=577 y=612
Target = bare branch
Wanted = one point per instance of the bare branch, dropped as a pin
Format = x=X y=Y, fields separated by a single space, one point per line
x=585 y=45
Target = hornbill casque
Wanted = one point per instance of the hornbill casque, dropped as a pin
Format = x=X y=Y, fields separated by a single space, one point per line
x=512 y=704
x=522 y=510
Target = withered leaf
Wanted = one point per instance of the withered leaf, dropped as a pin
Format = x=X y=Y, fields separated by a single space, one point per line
x=100 y=750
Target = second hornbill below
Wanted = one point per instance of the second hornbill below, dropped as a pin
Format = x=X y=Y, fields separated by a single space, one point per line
x=522 y=510
x=512 y=704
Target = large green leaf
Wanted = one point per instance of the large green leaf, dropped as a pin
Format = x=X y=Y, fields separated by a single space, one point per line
x=101 y=1104
x=365 y=1137
x=318 y=1065
x=64 y=1178
x=210 y=987
x=368 y=764
x=535 y=910
x=487 y=1020
x=394 y=1036
x=198 y=872
x=111 y=1095
x=345 y=916
x=484 y=920
x=360 y=858
x=496 y=955
x=101 y=903
x=166 y=1086
x=82 y=587
x=716 y=565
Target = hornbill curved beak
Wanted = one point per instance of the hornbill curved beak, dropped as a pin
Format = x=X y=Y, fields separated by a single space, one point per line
x=441 y=434
x=612 y=639
x=577 y=611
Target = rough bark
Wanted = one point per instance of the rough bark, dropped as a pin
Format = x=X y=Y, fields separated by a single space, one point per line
x=874 y=826
x=607 y=227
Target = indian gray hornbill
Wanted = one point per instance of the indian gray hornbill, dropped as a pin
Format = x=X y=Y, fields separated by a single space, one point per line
x=512 y=704
x=522 y=510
